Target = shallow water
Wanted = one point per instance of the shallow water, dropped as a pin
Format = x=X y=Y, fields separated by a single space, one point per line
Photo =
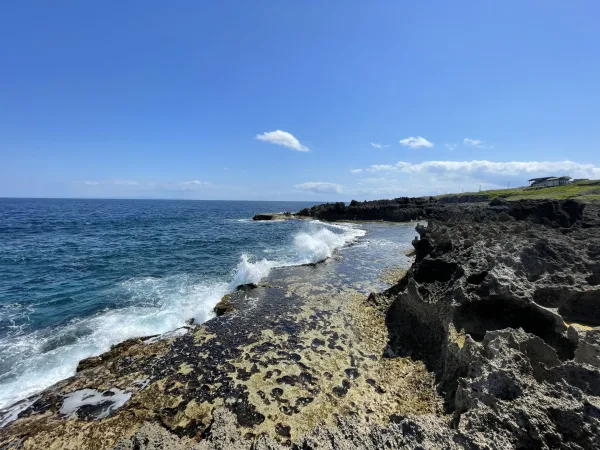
x=77 y=276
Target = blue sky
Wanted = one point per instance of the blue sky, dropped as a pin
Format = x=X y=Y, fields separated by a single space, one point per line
x=300 y=100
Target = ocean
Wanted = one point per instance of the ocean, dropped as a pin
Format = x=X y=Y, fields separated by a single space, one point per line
x=77 y=276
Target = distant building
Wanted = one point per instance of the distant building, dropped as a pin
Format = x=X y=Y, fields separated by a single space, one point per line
x=549 y=181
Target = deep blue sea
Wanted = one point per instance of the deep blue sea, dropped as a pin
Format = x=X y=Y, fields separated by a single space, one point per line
x=77 y=276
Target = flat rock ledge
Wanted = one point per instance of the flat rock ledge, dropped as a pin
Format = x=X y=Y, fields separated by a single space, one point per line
x=274 y=216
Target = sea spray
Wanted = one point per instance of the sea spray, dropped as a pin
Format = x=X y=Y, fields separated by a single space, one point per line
x=42 y=358
x=320 y=244
x=315 y=244
x=252 y=272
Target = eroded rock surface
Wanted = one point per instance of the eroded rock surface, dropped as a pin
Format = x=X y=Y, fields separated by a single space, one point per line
x=402 y=209
x=488 y=307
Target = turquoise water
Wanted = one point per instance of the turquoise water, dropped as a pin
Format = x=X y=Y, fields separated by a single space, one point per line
x=77 y=276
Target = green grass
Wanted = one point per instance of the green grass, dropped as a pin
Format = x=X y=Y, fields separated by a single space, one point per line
x=585 y=191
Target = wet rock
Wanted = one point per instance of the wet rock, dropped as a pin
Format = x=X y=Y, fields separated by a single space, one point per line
x=277 y=392
x=224 y=306
x=273 y=216
x=342 y=390
x=318 y=342
x=246 y=287
x=115 y=351
x=303 y=401
x=352 y=373
x=282 y=430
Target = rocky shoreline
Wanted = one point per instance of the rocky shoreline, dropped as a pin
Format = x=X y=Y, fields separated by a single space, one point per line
x=489 y=341
x=501 y=305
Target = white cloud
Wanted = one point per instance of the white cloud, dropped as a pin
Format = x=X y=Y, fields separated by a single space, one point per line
x=194 y=183
x=147 y=185
x=378 y=145
x=356 y=171
x=474 y=143
x=382 y=181
x=439 y=177
x=320 y=187
x=109 y=182
x=416 y=142
x=450 y=147
x=284 y=138
x=382 y=167
x=512 y=168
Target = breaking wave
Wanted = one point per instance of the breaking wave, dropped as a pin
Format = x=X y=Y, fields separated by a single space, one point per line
x=317 y=243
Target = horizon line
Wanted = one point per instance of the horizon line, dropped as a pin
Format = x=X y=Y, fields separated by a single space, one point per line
x=142 y=198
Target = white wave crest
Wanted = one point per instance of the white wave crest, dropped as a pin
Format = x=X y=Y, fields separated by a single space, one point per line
x=314 y=245
x=320 y=244
x=252 y=272
x=44 y=357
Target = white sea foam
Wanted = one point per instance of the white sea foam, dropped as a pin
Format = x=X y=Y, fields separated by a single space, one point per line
x=252 y=272
x=12 y=413
x=110 y=403
x=315 y=244
x=320 y=244
x=160 y=305
x=157 y=305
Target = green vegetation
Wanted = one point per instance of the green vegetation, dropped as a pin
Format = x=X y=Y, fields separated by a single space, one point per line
x=585 y=191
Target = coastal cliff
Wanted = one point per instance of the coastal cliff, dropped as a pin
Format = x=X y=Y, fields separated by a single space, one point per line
x=490 y=340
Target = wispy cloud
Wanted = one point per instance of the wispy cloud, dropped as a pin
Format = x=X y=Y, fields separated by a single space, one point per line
x=356 y=171
x=416 y=142
x=450 y=147
x=194 y=183
x=474 y=143
x=284 y=138
x=173 y=185
x=378 y=145
x=320 y=187
x=379 y=180
x=111 y=182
